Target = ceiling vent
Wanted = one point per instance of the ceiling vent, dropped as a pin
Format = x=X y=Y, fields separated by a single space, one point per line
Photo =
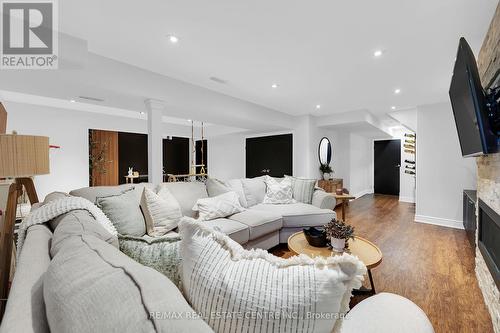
x=216 y=79
x=95 y=99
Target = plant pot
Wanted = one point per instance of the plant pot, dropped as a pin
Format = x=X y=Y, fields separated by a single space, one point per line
x=326 y=176
x=338 y=244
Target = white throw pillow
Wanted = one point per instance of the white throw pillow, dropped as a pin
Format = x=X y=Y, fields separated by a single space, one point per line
x=256 y=291
x=219 y=206
x=278 y=192
x=162 y=212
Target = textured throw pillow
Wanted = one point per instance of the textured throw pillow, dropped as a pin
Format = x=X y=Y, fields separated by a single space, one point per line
x=160 y=253
x=267 y=293
x=254 y=190
x=124 y=212
x=303 y=189
x=278 y=192
x=220 y=206
x=161 y=211
x=90 y=286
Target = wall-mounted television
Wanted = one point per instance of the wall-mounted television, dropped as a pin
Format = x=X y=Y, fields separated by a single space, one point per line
x=472 y=110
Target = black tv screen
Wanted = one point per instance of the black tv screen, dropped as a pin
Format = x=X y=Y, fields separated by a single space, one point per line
x=469 y=105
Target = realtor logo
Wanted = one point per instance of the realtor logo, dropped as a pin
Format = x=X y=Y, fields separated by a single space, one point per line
x=29 y=34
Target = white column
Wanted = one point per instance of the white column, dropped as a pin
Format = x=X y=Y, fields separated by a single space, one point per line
x=155 y=141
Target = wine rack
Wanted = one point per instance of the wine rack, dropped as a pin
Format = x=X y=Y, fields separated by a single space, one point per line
x=409 y=146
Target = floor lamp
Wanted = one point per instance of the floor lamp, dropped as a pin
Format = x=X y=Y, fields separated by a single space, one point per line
x=21 y=157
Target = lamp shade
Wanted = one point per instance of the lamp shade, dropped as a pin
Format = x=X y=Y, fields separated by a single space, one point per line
x=23 y=155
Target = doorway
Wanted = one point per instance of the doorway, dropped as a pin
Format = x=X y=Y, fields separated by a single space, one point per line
x=387 y=164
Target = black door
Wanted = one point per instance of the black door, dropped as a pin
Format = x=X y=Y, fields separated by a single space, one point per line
x=269 y=155
x=386 y=166
x=176 y=155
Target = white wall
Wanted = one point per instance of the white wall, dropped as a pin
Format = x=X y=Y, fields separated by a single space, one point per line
x=69 y=166
x=226 y=157
x=361 y=159
x=442 y=172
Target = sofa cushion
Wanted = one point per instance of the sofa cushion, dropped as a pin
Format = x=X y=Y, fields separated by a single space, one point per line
x=217 y=187
x=161 y=211
x=187 y=193
x=92 y=193
x=219 y=276
x=254 y=189
x=386 y=312
x=236 y=186
x=124 y=212
x=90 y=286
x=298 y=214
x=223 y=205
x=237 y=231
x=260 y=223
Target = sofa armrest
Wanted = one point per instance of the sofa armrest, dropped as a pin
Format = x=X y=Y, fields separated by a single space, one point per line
x=25 y=310
x=324 y=200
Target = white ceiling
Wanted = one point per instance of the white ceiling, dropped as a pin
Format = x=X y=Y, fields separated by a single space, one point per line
x=319 y=52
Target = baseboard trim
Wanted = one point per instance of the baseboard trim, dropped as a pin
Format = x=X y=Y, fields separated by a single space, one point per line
x=361 y=193
x=407 y=199
x=439 y=221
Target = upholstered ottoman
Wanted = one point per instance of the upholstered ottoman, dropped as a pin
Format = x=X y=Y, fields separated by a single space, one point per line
x=386 y=313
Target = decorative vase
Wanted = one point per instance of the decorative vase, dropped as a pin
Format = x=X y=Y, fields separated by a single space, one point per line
x=326 y=176
x=338 y=244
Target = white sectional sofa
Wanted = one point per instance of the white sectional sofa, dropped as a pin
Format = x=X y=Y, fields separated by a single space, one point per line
x=74 y=256
x=259 y=226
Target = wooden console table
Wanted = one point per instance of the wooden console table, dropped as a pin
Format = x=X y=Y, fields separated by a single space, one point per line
x=331 y=185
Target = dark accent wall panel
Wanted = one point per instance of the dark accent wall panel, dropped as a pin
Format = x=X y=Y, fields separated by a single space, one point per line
x=133 y=152
x=176 y=155
x=269 y=155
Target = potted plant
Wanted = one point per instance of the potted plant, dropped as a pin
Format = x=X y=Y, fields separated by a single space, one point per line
x=325 y=169
x=338 y=232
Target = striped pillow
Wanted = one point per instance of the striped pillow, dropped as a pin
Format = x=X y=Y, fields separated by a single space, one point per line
x=303 y=189
x=236 y=290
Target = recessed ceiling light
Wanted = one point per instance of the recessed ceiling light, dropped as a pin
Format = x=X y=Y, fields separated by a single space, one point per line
x=189 y=120
x=72 y=100
x=274 y=85
x=377 y=53
x=393 y=108
x=173 y=39
x=318 y=106
x=397 y=91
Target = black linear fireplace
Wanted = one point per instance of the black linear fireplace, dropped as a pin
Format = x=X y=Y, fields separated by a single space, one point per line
x=489 y=239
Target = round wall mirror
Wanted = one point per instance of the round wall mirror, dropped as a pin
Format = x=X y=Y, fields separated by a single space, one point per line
x=325 y=151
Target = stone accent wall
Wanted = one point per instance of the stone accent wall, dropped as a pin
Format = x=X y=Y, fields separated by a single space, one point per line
x=488 y=173
x=488 y=189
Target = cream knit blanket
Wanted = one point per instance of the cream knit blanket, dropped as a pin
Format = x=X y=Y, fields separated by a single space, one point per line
x=57 y=208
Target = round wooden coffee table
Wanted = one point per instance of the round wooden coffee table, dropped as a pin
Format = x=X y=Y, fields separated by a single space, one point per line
x=365 y=250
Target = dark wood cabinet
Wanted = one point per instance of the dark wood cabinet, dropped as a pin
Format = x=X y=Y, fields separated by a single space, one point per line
x=469 y=215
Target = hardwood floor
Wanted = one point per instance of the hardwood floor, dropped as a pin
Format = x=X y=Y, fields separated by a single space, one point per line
x=432 y=266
